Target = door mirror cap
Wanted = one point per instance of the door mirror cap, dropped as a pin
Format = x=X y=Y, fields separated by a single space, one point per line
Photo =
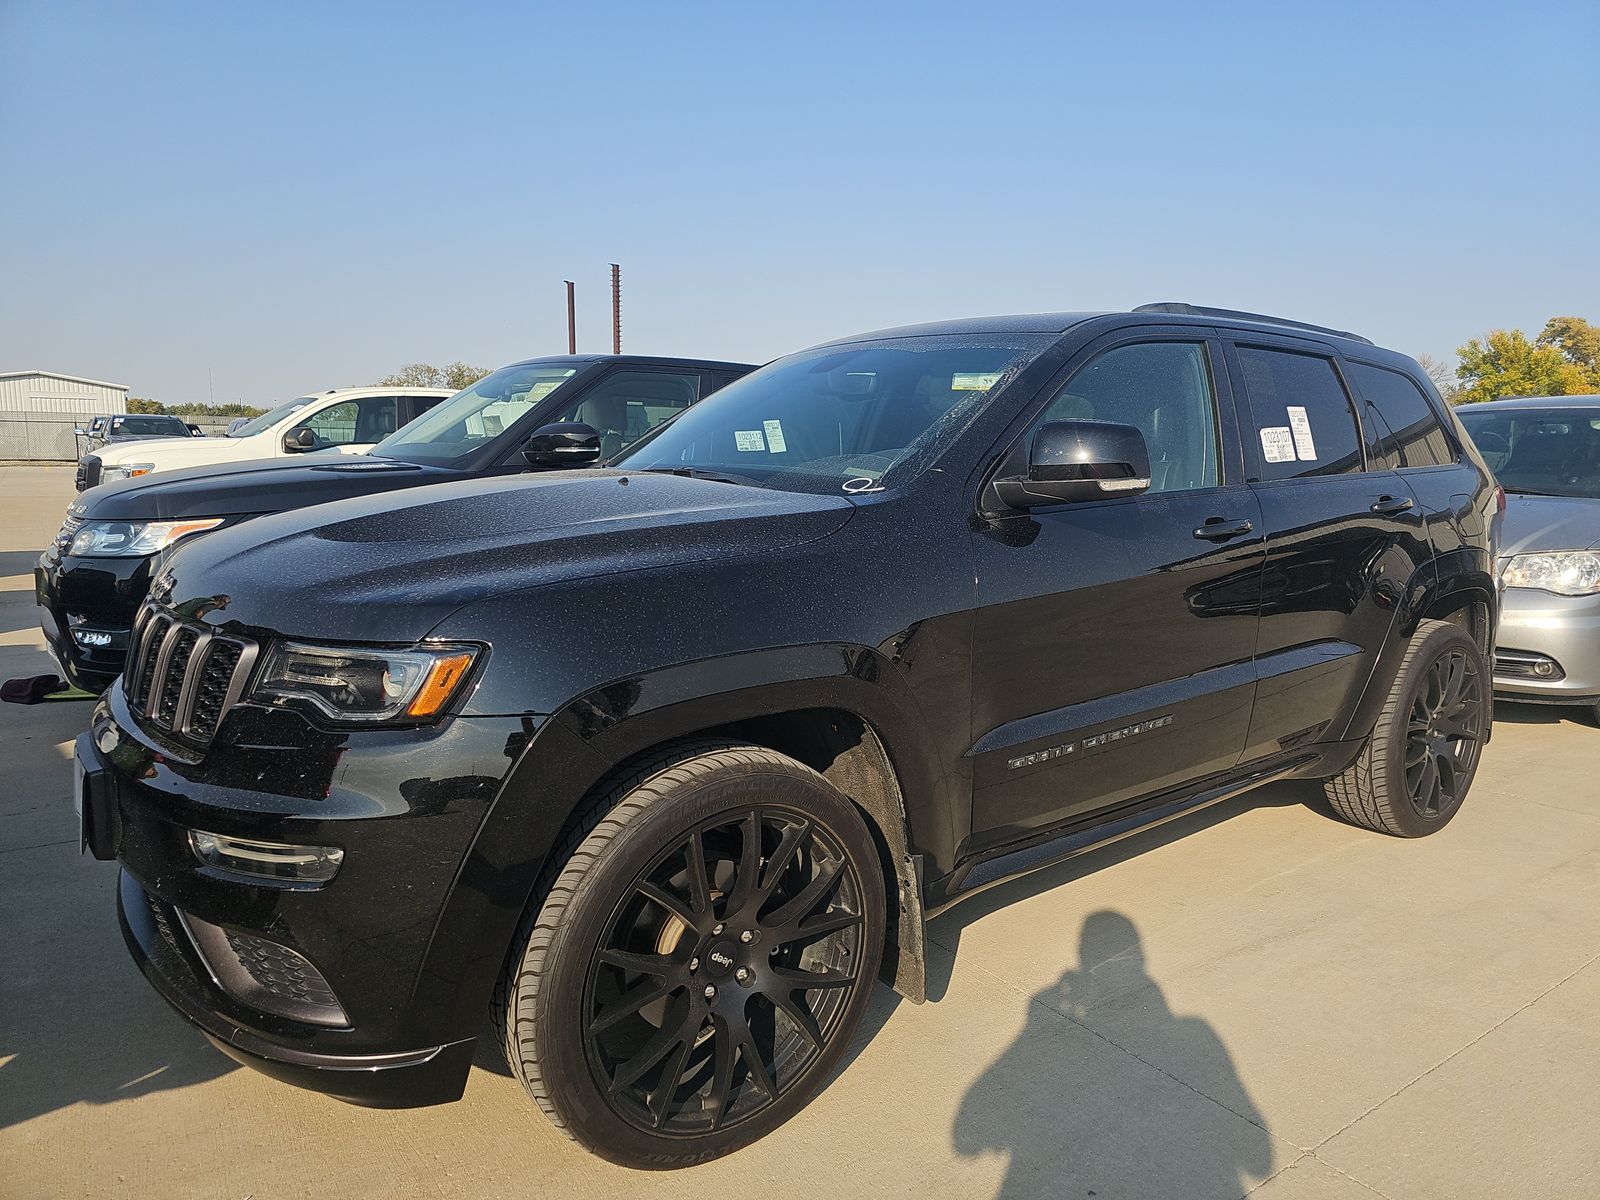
x=298 y=441
x=1079 y=460
x=562 y=444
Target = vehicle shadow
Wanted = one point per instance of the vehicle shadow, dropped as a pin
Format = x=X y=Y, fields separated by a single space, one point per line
x=1543 y=714
x=1069 y=1136
x=79 y=1024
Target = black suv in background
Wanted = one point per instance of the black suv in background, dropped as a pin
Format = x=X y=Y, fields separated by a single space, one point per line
x=664 y=762
x=93 y=576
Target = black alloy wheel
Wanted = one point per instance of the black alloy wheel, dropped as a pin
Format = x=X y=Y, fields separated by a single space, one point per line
x=724 y=971
x=697 y=955
x=1444 y=734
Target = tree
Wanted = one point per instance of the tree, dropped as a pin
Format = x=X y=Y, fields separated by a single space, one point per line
x=138 y=404
x=1505 y=363
x=1578 y=341
x=1443 y=376
x=455 y=376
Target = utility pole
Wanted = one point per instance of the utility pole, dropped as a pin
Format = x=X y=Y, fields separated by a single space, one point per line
x=572 y=320
x=616 y=309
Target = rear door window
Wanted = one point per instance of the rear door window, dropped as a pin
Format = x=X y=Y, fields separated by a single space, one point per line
x=1305 y=424
x=1403 y=428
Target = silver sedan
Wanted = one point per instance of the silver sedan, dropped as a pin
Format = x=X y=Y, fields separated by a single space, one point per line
x=1546 y=453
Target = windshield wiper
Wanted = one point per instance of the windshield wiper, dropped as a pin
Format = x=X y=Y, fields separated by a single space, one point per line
x=1527 y=491
x=697 y=473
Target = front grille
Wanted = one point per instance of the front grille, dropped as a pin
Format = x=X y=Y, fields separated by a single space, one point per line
x=181 y=678
x=88 y=472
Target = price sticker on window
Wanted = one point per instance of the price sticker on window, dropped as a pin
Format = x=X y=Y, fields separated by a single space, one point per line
x=1277 y=444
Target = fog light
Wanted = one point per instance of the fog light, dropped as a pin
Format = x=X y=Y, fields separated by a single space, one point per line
x=91 y=637
x=274 y=861
x=1545 y=668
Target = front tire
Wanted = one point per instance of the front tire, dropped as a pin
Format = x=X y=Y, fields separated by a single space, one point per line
x=695 y=970
x=1414 y=771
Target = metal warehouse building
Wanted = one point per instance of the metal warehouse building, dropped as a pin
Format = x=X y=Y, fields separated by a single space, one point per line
x=38 y=410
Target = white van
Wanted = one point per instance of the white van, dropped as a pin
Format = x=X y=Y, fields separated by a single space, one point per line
x=351 y=420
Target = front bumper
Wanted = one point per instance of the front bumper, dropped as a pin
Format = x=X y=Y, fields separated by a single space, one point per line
x=406 y=1037
x=1538 y=628
x=87 y=608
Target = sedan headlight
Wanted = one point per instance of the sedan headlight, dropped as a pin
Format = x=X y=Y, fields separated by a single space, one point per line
x=109 y=539
x=124 y=471
x=368 y=686
x=1564 y=572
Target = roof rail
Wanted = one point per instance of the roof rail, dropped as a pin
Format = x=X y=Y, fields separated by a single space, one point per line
x=1196 y=310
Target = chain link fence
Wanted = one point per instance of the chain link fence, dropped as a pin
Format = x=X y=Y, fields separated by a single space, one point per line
x=48 y=437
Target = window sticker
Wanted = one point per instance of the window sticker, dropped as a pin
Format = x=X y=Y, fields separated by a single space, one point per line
x=543 y=388
x=1300 y=425
x=749 y=439
x=1277 y=444
x=775 y=442
x=974 y=381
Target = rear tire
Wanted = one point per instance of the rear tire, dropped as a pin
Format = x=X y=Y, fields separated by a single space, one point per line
x=1414 y=771
x=693 y=973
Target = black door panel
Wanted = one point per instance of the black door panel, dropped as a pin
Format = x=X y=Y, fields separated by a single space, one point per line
x=1113 y=642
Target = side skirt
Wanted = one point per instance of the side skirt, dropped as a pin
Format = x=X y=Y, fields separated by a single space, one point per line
x=1003 y=865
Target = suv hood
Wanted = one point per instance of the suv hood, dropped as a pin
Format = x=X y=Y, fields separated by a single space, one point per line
x=242 y=489
x=170 y=452
x=1537 y=523
x=390 y=568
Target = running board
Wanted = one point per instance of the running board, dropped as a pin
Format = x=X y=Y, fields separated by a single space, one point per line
x=1013 y=864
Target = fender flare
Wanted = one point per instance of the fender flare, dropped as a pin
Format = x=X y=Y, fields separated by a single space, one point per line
x=570 y=753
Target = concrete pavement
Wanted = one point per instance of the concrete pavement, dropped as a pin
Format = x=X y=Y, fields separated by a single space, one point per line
x=1257 y=1000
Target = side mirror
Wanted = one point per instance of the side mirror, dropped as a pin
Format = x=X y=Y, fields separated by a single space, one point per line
x=298 y=441
x=1079 y=460
x=562 y=444
x=80 y=432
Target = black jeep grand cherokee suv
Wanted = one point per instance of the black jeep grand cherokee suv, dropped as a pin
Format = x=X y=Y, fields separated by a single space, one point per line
x=664 y=762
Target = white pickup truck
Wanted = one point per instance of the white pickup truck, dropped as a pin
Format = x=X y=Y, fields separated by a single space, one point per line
x=351 y=420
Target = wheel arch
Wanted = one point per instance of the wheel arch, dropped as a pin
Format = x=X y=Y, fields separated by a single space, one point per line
x=1451 y=588
x=853 y=725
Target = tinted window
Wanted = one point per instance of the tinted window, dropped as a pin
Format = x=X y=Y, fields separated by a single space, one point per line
x=170 y=426
x=1409 y=433
x=370 y=419
x=626 y=405
x=840 y=419
x=478 y=414
x=1304 y=423
x=1164 y=390
x=1551 y=451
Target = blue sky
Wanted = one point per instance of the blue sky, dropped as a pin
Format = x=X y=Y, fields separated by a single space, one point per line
x=297 y=197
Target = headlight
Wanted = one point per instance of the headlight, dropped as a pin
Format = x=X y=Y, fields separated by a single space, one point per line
x=368 y=686
x=1564 y=572
x=129 y=538
x=124 y=471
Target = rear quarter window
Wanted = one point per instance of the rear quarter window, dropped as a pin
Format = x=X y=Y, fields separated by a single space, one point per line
x=1408 y=432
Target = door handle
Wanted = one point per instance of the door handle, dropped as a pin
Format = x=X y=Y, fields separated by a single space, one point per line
x=1393 y=504
x=1220 y=529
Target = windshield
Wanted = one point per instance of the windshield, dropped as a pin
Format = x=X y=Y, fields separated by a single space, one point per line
x=170 y=426
x=271 y=417
x=1540 y=451
x=837 y=419
x=478 y=415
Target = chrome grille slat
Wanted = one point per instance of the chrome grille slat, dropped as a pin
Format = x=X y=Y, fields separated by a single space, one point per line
x=183 y=677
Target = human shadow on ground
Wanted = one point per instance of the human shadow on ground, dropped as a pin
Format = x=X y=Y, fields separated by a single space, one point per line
x=1083 y=1117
